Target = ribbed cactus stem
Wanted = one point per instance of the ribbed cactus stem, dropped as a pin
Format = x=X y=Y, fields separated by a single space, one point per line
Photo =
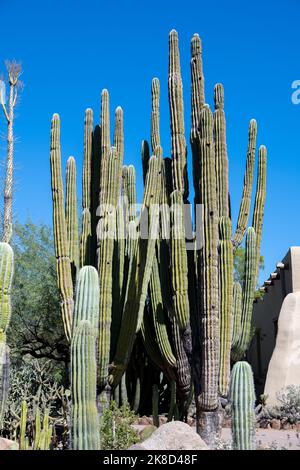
x=221 y=151
x=119 y=138
x=208 y=267
x=23 y=425
x=237 y=313
x=226 y=300
x=37 y=429
x=248 y=296
x=160 y=317
x=198 y=98
x=260 y=197
x=106 y=232
x=244 y=211
x=105 y=145
x=87 y=159
x=71 y=213
x=178 y=143
x=242 y=397
x=197 y=103
x=155 y=133
x=179 y=265
x=6 y=278
x=87 y=298
x=85 y=425
x=62 y=253
x=86 y=232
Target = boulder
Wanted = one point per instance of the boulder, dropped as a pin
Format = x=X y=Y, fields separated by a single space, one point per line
x=175 y=435
x=6 y=444
x=284 y=366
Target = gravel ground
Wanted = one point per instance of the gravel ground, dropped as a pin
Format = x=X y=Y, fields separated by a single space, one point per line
x=272 y=438
x=266 y=438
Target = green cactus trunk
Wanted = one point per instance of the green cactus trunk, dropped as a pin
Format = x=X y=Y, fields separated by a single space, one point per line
x=242 y=397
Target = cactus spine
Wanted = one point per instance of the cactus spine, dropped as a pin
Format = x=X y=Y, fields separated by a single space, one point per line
x=242 y=398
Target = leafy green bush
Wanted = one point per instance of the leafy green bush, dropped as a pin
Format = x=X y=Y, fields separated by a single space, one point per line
x=115 y=430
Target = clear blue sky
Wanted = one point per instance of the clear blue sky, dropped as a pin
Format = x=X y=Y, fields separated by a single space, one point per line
x=71 y=50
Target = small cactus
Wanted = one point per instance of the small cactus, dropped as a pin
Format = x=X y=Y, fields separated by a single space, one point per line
x=242 y=397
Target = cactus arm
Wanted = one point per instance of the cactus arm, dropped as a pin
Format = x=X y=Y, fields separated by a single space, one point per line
x=221 y=152
x=242 y=397
x=71 y=214
x=248 y=296
x=6 y=278
x=106 y=232
x=260 y=197
x=237 y=312
x=178 y=143
x=247 y=188
x=155 y=133
x=226 y=301
x=63 y=262
x=159 y=316
x=197 y=102
x=86 y=232
x=23 y=422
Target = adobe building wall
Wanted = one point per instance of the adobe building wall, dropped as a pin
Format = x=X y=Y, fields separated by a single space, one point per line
x=283 y=281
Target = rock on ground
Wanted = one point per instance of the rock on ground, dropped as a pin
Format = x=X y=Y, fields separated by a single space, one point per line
x=6 y=444
x=175 y=435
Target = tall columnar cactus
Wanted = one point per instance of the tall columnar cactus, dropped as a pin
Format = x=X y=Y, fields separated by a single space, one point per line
x=242 y=397
x=6 y=278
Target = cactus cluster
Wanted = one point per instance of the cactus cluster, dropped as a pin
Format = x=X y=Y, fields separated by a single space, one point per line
x=179 y=300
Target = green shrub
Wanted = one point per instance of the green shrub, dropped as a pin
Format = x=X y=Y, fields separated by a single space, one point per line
x=116 y=432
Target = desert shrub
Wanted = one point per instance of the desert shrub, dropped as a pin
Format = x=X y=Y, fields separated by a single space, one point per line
x=116 y=432
x=288 y=407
